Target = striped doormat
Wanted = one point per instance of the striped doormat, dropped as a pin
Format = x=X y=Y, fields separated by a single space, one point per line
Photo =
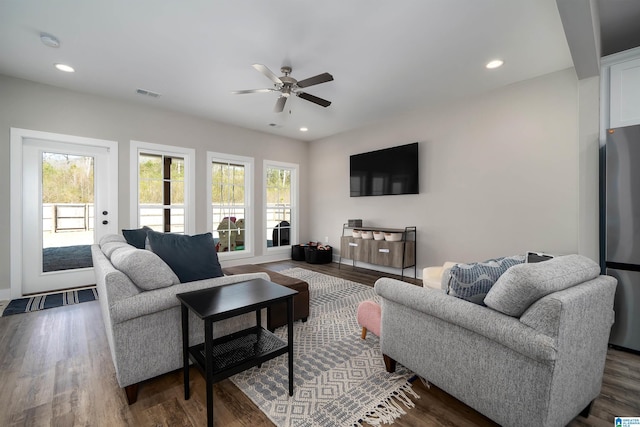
x=42 y=302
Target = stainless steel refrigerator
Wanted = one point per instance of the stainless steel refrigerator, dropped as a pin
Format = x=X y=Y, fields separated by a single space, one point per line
x=622 y=231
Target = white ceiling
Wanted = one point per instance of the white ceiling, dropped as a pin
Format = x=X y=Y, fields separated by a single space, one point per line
x=386 y=56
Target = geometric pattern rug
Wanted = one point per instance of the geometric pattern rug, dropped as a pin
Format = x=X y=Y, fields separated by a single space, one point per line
x=42 y=302
x=339 y=378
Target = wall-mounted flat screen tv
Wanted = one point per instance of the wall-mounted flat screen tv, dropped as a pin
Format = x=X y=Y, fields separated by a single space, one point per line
x=385 y=172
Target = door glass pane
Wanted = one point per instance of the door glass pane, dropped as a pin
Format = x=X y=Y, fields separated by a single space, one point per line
x=67 y=211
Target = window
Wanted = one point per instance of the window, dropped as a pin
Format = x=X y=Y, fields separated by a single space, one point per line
x=162 y=187
x=230 y=216
x=281 y=183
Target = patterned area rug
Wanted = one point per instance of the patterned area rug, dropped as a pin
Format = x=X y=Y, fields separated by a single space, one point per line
x=42 y=302
x=339 y=378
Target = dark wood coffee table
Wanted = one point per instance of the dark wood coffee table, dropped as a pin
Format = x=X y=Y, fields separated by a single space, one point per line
x=228 y=355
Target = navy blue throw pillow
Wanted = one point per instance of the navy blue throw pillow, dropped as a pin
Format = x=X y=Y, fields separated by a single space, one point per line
x=136 y=237
x=190 y=257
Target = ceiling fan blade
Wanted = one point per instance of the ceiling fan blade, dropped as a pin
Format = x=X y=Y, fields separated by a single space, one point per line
x=314 y=99
x=267 y=72
x=280 y=104
x=253 y=91
x=315 y=80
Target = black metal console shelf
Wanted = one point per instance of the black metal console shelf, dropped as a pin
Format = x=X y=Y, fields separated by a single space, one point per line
x=397 y=254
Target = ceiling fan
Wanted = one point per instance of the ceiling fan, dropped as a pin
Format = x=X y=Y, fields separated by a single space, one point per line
x=288 y=86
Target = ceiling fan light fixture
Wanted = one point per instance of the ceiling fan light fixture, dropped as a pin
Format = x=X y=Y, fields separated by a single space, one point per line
x=288 y=86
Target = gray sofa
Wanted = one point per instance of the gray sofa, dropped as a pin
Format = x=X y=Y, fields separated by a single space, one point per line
x=142 y=314
x=534 y=356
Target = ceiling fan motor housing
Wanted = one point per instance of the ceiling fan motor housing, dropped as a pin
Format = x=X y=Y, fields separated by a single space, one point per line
x=287 y=85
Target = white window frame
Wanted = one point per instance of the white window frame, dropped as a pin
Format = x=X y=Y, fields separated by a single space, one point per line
x=248 y=163
x=188 y=154
x=295 y=174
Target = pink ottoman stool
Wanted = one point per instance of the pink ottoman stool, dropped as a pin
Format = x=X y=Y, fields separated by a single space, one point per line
x=369 y=317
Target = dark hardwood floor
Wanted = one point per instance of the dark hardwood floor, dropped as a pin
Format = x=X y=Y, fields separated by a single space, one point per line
x=56 y=370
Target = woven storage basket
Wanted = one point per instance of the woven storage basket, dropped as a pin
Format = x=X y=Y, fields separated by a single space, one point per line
x=316 y=256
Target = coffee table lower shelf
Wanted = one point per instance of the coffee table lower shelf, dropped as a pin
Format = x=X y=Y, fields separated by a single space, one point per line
x=238 y=352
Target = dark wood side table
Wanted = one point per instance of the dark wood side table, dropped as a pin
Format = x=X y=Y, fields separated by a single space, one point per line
x=228 y=355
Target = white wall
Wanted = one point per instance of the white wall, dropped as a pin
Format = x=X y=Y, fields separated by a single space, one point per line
x=499 y=174
x=589 y=140
x=34 y=106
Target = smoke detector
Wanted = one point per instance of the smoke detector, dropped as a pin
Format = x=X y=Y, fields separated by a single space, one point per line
x=49 y=40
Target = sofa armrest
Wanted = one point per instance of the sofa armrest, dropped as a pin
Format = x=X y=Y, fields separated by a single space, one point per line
x=505 y=330
x=150 y=302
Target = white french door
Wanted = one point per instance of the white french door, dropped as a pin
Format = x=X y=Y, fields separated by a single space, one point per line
x=67 y=205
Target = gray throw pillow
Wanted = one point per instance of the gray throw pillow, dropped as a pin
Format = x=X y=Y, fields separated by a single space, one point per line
x=471 y=282
x=145 y=269
x=524 y=284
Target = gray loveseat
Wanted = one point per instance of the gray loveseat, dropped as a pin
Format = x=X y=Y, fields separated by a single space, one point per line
x=534 y=357
x=142 y=314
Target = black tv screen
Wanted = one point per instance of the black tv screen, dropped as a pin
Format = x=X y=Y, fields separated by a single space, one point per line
x=385 y=172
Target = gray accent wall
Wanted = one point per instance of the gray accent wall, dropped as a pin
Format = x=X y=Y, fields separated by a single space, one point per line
x=500 y=174
x=34 y=106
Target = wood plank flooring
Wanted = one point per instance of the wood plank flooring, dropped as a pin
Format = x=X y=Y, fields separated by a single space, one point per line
x=56 y=370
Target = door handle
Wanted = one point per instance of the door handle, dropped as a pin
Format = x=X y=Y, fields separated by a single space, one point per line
x=105 y=222
x=104 y=212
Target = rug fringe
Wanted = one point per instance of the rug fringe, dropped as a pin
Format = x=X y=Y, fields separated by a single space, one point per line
x=387 y=411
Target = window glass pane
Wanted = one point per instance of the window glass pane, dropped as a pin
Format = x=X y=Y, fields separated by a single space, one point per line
x=177 y=220
x=161 y=183
x=150 y=166
x=278 y=209
x=177 y=169
x=238 y=175
x=228 y=205
x=150 y=192
x=177 y=193
x=152 y=217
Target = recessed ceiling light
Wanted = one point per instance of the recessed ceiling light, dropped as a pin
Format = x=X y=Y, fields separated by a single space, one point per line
x=494 y=64
x=65 y=68
x=303 y=129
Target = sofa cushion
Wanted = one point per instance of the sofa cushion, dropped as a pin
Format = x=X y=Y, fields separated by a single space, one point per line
x=136 y=237
x=190 y=257
x=471 y=282
x=145 y=269
x=107 y=238
x=109 y=247
x=524 y=284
